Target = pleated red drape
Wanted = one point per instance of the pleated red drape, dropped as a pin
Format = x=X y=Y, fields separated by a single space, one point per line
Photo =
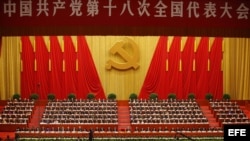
x=88 y=80
x=215 y=74
x=187 y=71
x=156 y=79
x=175 y=70
x=42 y=73
x=28 y=83
x=188 y=61
x=53 y=70
x=56 y=73
x=201 y=58
x=70 y=73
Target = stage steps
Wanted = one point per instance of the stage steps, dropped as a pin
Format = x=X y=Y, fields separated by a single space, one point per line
x=36 y=117
x=123 y=116
x=210 y=117
x=245 y=110
x=1 y=109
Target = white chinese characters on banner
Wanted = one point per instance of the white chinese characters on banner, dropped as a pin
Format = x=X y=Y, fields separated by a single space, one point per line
x=242 y=11
x=58 y=5
x=76 y=7
x=42 y=7
x=160 y=9
x=128 y=7
x=25 y=8
x=226 y=9
x=176 y=9
x=144 y=8
x=210 y=10
x=92 y=8
x=110 y=7
x=9 y=8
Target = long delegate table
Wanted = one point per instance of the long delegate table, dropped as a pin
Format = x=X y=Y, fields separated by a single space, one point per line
x=82 y=126
x=11 y=127
x=116 y=134
x=169 y=126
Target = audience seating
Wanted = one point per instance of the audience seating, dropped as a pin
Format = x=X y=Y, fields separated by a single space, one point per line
x=228 y=112
x=167 y=112
x=166 y=117
x=83 y=113
x=192 y=132
x=17 y=112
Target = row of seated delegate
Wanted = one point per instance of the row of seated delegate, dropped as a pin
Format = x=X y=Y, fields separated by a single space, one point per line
x=218 y=103
x=180 y=130
x=17 y=112
x=82 y=130
x=77 y=112
x=228 y=112
x=166 y=111
x=171 y=103
x=25 y=102
x=79 y=121
x=81 y=111
x=82 y=102
x=160 y=100
x=62 y=129
x=79 y=105
x=169 y=121
x=177 y=111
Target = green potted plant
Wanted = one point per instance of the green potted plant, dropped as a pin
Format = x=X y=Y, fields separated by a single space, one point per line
x=226 y=97
x=71 y=96
x=191 y=96
x=153 y=96
x=34 y=96
x=112 y=96
x=90 y=96
x=16 y=96
x=172 y=96
x=51 y=97
x=133 y=96
x=209 y=96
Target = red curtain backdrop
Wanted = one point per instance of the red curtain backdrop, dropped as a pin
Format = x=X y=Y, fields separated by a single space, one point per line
x=216 y=74
x=88 y=80
x=72 y=70
x=174 y=71
x=70 y=73
x=187 y=71
x=188 y=75
x=201 y=59
x=28 y=83
x=156 y=80
x=49 y=69
x=56 y=74
x=42 y=73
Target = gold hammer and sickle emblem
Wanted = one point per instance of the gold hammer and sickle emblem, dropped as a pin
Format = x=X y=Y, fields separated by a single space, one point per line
x=131 y=61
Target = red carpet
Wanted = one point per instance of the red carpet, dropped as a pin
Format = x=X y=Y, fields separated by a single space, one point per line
x=123 y=116
x=36 y=117
x=245 y=110
x=1 y=109
x=210 y=117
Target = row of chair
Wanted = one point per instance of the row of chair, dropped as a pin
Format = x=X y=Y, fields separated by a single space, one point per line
x=17 y=112
x=166 y=112
x=72 y=112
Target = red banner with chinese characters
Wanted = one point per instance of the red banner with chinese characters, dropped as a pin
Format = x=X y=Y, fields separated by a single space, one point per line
x=184 y=14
